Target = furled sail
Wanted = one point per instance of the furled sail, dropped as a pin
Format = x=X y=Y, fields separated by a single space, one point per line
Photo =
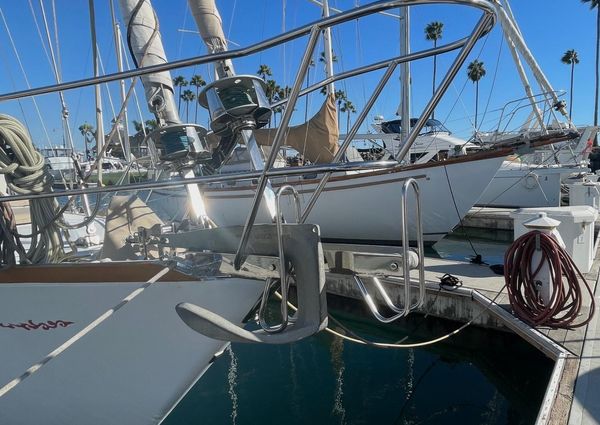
x=146 y=48
x=317 y=139
x=209 y=23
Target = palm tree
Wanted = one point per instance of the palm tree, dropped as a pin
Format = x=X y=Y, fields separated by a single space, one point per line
x=86 y=131
x=138 y=126
x=151 y=125
x=197 y=81
x=179 y=82
x=596 y=4
x=340 y=96
x=272 y=91
x=323 y=59
x=433 y=32
x=187 y=96
x=264 y=71
x=570 y=58
x=348 y=107
x=476 y=72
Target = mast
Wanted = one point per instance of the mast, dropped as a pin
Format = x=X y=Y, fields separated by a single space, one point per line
x=511 y=29
x=328 y=49
x=119 y=56
x=405 y=72
x=67 y=138
x=98 y=93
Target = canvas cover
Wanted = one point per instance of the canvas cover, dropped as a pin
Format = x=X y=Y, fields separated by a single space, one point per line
x=125 y=215
x=316 y=140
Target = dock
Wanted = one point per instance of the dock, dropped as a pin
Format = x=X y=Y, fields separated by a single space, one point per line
x=573 y=392
x=488 y=218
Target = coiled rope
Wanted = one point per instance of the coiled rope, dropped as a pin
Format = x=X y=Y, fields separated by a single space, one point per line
x=25 y=172
x=566 y=301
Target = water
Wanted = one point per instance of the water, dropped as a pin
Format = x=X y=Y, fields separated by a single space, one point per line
x=475 y=377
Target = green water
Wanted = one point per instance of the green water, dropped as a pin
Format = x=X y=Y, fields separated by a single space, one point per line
x=476 y=377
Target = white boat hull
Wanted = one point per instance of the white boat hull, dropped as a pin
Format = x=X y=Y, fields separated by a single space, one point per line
x=131 y=369
x=527 y=186
x=360 y=207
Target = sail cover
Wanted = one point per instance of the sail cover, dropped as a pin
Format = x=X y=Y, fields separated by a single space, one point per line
x=209 y=23
x=316 y=140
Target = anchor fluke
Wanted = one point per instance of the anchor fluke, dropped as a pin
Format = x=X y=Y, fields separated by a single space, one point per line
x=215 y=326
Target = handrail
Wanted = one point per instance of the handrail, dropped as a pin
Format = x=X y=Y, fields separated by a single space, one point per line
x=461 y=57
x=313 y=30
x=333 y=20
x=283 y=277
x=483 y=26
x=408 y=306
x=405 y=242
x=558 y=93
x=219 y=178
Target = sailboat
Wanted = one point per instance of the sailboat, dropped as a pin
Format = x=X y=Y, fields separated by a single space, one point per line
x=447 y=188
x=123 y=338
x=530 y=180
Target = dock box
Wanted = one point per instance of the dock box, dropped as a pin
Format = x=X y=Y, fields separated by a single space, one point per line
x=585 y=193
x=576 y=229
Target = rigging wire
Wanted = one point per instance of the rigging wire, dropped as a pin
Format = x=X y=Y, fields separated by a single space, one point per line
x=135 y=95
x=65 y=110
x=12 y=82
x=477 y=255
x=33 y=99
x=39 y=31
x=493 y=79
x=56 y=41
x=110 y=101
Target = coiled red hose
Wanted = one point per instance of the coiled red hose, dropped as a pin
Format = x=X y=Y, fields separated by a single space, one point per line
x=566 y=301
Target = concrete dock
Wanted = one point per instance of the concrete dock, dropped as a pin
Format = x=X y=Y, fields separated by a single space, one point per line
x=573 y=393
x=488 y=218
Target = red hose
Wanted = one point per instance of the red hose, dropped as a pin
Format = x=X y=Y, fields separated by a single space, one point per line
x=567 y=297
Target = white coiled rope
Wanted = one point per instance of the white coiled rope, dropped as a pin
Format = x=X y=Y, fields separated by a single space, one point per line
x=25 y=172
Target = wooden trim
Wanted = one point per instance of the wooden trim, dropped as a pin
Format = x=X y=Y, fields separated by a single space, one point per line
x=108 y=272
x=478 y=156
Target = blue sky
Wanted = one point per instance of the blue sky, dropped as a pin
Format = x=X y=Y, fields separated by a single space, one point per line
x=550 y=27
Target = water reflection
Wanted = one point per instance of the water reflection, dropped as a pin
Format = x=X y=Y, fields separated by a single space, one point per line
x=475 y=377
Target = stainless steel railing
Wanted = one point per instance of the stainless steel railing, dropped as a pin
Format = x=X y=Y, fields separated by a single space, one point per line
x=408 y=306
x=311 y=30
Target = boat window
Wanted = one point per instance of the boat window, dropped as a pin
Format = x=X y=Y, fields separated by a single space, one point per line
x=414 y=157
x=106 y=166
x=431 y=126
x=441 y=156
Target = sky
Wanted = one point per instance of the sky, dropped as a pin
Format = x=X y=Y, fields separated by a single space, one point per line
x=550 y=27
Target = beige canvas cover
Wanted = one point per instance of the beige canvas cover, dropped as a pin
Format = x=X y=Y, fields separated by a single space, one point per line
x=125 y=215
x=317 y=139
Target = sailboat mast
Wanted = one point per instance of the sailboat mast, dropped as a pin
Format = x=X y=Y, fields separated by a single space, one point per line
x=119 y=56
x=328 y=49
x=511 y=29
x=98 y=93
x=405 y=72
x=67 y=137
